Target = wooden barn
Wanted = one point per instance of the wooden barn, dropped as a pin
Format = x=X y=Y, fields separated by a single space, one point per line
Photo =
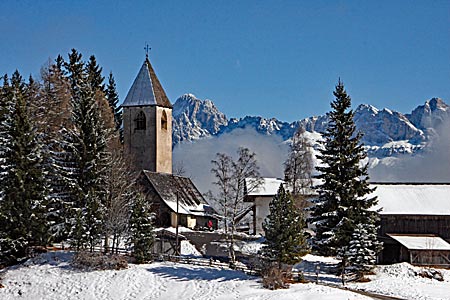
x=415 y=223
x=414 y=219
x=172 y=196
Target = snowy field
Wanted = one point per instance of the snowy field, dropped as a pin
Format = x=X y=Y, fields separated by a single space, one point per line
x=51 y=277
x=398 y=280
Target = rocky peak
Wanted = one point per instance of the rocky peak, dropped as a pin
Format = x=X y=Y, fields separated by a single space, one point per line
x=430 y=115
x=194 y=118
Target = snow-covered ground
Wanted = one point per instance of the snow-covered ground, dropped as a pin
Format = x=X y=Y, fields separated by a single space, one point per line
x=398 y=280
x=51 y=277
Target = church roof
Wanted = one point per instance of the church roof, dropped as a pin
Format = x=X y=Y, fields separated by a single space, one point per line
x=146 y=89
x=169 y=187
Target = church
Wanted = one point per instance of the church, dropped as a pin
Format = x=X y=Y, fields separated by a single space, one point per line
x=147 y=133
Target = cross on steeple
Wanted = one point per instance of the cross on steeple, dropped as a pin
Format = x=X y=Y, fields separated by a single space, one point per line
x=146 y=48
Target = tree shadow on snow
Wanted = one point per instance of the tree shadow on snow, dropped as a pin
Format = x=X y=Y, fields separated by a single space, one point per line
x=186 y=273
x=324 y=270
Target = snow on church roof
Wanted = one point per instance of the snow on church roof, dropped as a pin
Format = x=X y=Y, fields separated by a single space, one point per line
x=421 y=241
x=414 y=199
x=146 y=89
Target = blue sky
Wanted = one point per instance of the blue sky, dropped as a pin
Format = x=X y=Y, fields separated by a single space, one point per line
x=271 y=58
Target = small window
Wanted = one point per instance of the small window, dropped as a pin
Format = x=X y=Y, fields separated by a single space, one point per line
x=140 y=121
x=164 y=120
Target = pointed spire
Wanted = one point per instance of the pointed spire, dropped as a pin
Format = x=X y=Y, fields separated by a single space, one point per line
x=146 y=89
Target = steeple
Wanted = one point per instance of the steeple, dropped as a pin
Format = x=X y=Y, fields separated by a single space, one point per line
x=146 y=89
x=147 y=123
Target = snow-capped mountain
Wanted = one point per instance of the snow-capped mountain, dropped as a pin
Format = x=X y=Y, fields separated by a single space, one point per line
x=429 y=116
x=195 y=119
x=386 y=132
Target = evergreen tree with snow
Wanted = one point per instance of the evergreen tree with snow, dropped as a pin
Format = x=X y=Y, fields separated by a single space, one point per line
x=141 y=230
x=283 y=227
x=343 y=200
x=53 y=117
x=361 y=253
x=24 y=191
x=86 y=158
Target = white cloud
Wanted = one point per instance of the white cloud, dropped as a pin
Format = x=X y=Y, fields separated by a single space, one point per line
x=196 y=157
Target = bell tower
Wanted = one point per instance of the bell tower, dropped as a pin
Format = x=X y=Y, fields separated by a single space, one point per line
x=147 y=123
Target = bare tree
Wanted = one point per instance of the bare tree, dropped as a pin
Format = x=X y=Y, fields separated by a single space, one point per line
x=298 y=167
x=231 y=178
x=121 y=192
x=179 y=169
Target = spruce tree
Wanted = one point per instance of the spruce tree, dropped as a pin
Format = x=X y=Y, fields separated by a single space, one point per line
x=361 y=253
x=24 y=192
x=141 y=230
x=113 y=100
x=53 y=118
x=283 y=227
x=94 y=75
x=342 y=203
x=86 y=158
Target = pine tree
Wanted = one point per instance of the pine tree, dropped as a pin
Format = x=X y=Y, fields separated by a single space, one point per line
x=6 y=109
x=283 y=227
x=53 y=115
x=141 y=230
x=94 y=75
x=361 y=253
x=86 y=158
x=113 y=100
x=24 y=192
x=342 y=201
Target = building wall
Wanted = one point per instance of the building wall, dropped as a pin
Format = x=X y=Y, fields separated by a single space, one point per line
x=261 y=212
x=163 y=141
x=416 y=224
x=149 y=149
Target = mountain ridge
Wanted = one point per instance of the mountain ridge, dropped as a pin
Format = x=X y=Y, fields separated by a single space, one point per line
x=386 y=132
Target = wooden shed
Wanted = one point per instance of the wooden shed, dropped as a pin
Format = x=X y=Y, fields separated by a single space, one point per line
x=422 y=249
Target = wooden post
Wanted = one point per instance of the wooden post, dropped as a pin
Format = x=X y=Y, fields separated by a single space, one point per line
x=177 y=252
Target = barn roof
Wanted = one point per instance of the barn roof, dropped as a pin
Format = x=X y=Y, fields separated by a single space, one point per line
x=169 y=187
x=413 y=199
x=146 y=89
x=421 y=241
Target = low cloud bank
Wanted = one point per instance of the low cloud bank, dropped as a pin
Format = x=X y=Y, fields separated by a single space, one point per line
x=431 y=166
x=196 y=157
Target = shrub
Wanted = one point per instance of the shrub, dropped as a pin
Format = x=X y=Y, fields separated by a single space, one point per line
x=275 y=276
x=97 y=261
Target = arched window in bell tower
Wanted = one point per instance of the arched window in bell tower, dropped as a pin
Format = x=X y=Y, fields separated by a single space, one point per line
x=140 y=121
x=164 y=120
